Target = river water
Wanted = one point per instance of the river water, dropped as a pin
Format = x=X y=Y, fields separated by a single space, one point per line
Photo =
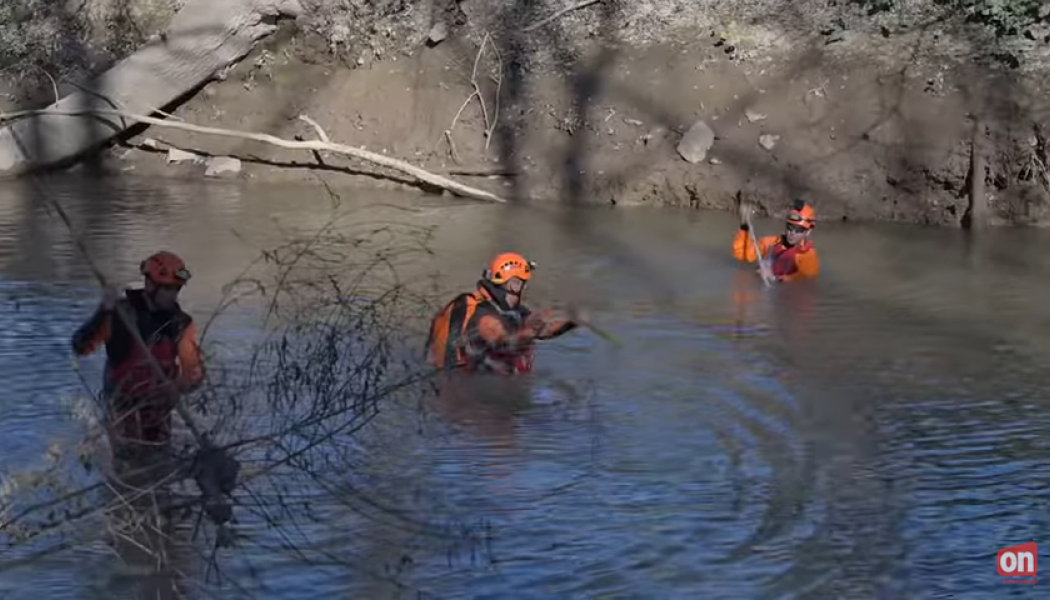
x=881 y=433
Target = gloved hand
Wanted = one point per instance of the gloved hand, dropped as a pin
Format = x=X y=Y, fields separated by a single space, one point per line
x=110 y=297
x=744 y=210
x=766 y=274
x=535 y=323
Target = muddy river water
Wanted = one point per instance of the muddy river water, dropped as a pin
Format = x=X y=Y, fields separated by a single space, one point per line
x=881 y=433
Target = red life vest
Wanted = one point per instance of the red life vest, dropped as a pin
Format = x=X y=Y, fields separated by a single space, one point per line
x=140 y=404
x=782 y=256
x=517 y=361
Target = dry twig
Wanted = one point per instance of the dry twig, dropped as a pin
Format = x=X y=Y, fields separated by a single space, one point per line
x=474 y=81
x=294 y=403
x=452 y=146
x=490 y=123
x=560 y=14
x=321 y=134
x=498 y=80
x=320 y=131
x=819 y=91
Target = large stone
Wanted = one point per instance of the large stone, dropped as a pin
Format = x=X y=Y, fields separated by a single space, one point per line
x=696 y=142
x=177 y=156
x=222 y=165
x=768 y=141
x=753 y=115
x=438 y=33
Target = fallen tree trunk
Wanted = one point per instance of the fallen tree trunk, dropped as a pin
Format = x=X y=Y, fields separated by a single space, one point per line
x=323 y=144
x=204 y=38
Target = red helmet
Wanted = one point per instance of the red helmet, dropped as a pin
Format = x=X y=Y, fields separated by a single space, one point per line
x=165 y=268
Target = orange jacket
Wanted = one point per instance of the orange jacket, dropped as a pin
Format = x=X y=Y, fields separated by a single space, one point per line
x=789 y=263
x=471 y=329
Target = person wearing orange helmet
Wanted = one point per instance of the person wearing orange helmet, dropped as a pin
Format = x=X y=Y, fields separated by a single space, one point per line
x=139 y=403
x=791 y=256
x=490 y=330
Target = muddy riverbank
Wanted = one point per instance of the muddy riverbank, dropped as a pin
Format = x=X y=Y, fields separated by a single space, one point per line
x=869 y=119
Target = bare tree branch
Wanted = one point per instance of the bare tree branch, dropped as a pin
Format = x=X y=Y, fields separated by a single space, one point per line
x=359 y=153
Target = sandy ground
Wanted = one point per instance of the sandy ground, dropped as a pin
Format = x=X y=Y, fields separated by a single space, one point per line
x=861 y=140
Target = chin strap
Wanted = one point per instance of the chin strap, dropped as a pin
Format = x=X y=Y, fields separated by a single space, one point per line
x=497 y=293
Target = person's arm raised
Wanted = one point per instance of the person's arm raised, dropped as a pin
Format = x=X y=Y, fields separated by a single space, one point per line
x=96 y=330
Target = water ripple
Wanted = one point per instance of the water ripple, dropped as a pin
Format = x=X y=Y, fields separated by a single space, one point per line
x=879 y=434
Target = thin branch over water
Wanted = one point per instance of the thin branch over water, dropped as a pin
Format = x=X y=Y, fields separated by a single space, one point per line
x=329 y=355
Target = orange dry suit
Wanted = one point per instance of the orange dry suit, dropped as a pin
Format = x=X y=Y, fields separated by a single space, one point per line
x=478 y=332
x=788 y=263
x=139 y=403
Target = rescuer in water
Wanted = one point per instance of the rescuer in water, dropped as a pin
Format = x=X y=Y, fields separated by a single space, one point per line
x=139 y=402
x=791 y=256
x=490 y=330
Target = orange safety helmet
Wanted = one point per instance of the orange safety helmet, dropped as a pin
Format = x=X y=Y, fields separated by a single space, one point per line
x=508 y=265
x=165 y=268
x=802 y=214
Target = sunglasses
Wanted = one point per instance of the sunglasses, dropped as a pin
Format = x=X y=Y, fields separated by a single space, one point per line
x=791 y=227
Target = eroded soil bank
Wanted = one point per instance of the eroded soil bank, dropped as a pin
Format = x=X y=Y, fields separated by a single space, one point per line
x=863 y=139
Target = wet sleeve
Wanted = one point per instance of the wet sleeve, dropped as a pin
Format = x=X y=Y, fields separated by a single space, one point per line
x=807 y=265
x=557 y=328
x=191 y=361
x=93 y=333
x=553 y=328
x=743 y=249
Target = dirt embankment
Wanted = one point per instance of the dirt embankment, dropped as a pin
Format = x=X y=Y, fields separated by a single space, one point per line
x=868 y=122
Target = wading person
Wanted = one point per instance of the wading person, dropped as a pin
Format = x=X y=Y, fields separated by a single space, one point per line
x=791 y=256
x=140 y=403
x=489 y=330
